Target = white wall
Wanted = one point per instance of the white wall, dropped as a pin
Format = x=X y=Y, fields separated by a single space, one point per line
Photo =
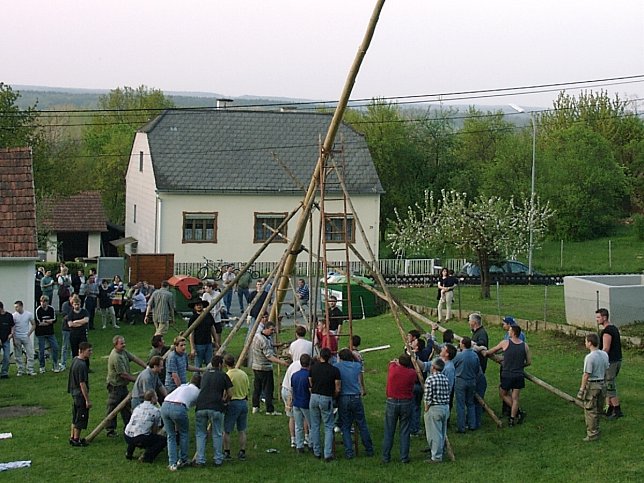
x=621 y=295
x=17 y=282
x=94 y=244
x=52 y=250
x=235 y=225
x=140 y=190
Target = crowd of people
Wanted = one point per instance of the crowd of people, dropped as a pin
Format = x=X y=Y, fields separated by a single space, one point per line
x=322 y=389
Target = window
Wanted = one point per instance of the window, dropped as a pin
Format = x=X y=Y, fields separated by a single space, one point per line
x=334 y=228
x=140 y=160
x=261 y=233
x=199 y=227
x=134 y=215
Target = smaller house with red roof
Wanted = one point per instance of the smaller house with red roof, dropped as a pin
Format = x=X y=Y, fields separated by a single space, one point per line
x=74 y=226
x=18 y=245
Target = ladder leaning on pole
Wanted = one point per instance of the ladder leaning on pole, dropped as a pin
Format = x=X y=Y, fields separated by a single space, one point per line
x=337 y=233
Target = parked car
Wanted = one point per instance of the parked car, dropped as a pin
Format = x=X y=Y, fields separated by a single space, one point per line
x=511 y=267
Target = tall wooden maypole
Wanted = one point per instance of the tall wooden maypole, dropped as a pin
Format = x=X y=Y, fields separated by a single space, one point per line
x=307 y=204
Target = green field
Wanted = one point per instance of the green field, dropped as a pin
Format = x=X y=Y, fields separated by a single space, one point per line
x=619 y=253
x=532 y=302
x=547 y=447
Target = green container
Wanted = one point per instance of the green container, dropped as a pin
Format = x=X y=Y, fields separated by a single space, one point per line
x=180 y=302
x=184 y=288
x=363 y=302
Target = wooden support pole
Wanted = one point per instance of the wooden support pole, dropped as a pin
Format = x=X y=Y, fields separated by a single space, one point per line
x=494 y=357
x=327 y=147
x=373 y=268
x=109 y=417
x=488 y=410
x=252 y=330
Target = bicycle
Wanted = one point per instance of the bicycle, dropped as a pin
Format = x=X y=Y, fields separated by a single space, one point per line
x=209 y=270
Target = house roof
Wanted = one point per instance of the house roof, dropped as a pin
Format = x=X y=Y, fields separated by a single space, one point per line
x=17 y=204
x=82 y=212
x=228 y=150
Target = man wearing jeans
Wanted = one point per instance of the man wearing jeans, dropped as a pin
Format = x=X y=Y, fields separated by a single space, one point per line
x=174 y=412
x=22 y=330
x=325 y=384
x=202 y=337
x=467 y=368
x=45 y=319
x=299 y=400
x=436 y=410
x=216 y=390
x=350 y=403
x=263 y=357
x=227 y=279
x=401 y=378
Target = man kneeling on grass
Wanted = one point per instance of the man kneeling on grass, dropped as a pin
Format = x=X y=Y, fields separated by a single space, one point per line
x=78 y=387
x=143 y=428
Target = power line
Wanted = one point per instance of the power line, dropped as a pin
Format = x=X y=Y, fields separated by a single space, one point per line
x=405 y=99
x=181 y=111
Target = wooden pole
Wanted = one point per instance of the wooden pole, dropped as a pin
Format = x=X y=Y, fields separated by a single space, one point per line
x=252 y=330
x=327 y=147
x=488 y=410
x=109 y=417
x=494 y=357
x=373 y=268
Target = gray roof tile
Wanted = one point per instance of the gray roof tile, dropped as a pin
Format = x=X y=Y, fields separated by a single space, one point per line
x=228 y=150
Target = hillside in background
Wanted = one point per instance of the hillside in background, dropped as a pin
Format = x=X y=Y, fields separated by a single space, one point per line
x=52 y=98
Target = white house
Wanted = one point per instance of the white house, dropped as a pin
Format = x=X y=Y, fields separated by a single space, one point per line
x=205 y=182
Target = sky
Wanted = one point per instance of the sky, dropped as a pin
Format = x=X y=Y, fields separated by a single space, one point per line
x=304 y=48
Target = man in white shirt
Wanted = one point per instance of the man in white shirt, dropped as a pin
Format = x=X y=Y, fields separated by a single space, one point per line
x=300 y=345
x=24 y=327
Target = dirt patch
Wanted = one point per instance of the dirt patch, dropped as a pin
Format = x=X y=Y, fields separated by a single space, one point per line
x=20 y=411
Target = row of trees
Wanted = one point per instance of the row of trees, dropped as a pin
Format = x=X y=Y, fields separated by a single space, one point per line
x=589 y=158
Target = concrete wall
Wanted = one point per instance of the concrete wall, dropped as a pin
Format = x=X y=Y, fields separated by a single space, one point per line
x=622 y=295
x=17 y=282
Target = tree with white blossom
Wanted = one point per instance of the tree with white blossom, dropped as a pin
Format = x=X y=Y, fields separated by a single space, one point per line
x=487 y=229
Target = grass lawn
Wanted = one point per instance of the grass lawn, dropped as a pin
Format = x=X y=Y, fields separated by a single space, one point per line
x=547 y=447
x=625 y=255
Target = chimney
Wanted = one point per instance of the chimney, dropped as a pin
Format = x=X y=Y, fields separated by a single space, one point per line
x=223 y=103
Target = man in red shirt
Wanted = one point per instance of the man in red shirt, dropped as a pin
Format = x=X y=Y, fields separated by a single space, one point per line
x=401 y=377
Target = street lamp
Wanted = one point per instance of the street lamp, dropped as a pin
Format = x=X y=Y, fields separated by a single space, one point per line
x=534 y=157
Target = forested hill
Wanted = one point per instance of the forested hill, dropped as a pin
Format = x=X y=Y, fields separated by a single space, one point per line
x=55 y=97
